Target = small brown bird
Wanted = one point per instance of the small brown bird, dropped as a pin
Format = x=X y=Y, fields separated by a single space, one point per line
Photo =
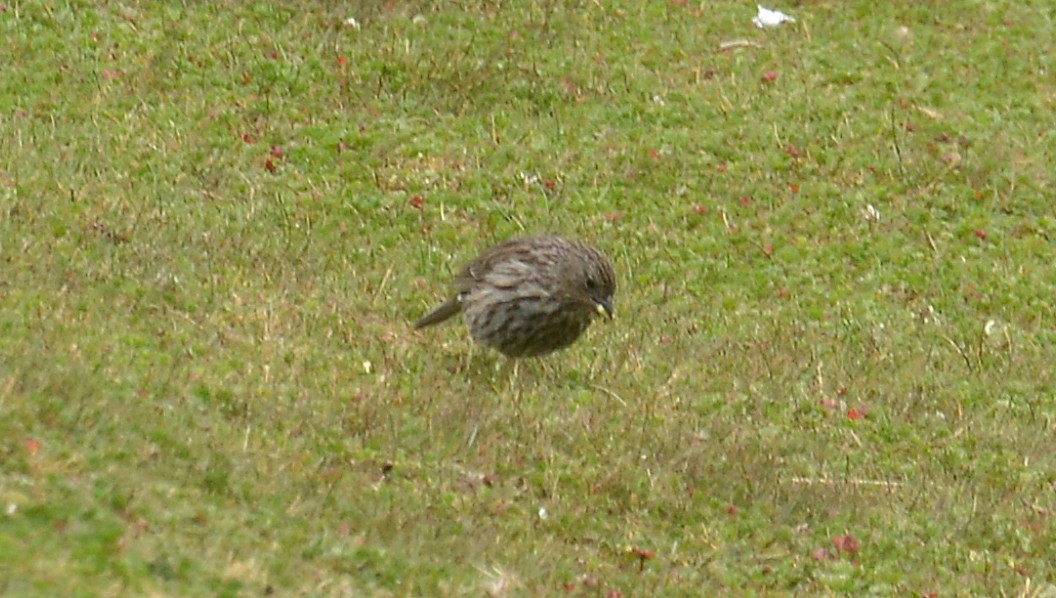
x=530 y=296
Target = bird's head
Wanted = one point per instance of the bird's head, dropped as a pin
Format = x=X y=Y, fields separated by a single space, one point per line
x=592 y=281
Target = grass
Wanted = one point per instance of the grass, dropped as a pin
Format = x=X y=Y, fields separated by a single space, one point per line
x=831 y=371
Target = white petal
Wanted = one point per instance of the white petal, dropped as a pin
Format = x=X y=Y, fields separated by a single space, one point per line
x=770 y=18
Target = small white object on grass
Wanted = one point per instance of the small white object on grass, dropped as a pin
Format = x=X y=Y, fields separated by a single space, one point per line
x=871 y=214
x=991 y=327
x=770 y=18
x=352 y=22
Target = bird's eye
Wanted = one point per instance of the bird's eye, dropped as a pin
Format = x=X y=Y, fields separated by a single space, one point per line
x=591 y=283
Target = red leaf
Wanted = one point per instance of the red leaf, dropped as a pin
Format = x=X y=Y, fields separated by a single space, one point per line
x=846 y=543
x=769 y=76
x=247 y=138
x=269 y=166
x=417 y=202
x=643 y=553
x=981 y=233
x=32 y=446
x=745 y=200
x=820 y=554
x=277 y=151
x=768 y=249
x=700 y=208
x=856 y=413
x=793 y=187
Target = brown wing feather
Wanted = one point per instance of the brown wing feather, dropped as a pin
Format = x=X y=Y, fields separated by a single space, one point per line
x=480 y=266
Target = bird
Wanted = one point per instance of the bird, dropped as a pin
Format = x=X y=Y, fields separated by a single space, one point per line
x=530 y=295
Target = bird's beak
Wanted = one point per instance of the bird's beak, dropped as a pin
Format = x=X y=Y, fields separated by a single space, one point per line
x=604 y=307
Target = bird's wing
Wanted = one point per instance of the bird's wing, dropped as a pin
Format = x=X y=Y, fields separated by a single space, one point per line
x=484 y=264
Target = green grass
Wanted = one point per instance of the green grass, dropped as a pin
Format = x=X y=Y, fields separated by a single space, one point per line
x=211 y=254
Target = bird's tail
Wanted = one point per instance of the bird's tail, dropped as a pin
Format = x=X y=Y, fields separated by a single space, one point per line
x=450 y=307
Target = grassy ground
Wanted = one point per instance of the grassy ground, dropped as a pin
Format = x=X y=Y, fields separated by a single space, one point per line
x=831 y=371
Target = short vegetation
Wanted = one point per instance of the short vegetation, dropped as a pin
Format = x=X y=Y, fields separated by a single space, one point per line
x=831 y=370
